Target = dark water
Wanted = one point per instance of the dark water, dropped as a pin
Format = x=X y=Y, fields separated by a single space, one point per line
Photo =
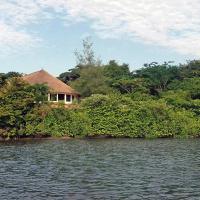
x=100 y=169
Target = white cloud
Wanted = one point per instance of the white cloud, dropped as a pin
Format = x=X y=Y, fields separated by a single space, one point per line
x=19 y=12
x=173 y=24
x=15 y=15
x=12 y=37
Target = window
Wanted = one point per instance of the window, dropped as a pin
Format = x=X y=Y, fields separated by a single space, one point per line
x=68 y=98
x=53 y=97
x=61 y=97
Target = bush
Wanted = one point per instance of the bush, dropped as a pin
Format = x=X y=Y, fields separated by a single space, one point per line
x=20 y=112
x=121 y=117
x=63 y=122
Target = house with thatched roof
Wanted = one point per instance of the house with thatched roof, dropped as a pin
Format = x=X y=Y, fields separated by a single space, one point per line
x=58 y=91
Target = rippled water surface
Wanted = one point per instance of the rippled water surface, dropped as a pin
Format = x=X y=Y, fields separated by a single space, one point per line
x=100 y=169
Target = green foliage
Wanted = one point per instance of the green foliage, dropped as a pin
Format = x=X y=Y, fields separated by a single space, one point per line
x=119 y=77
x=159 y=100
x=128 y=86
x=62 y=122
x=182 y=99
x=185 y=94
x=4 y=77
x=87 y=56
x=159 y=76
x=91 y=81
x=70 y=75
x=18 y=101
x=115 y=71
x=190 y=69
x=190 y=85
x=40 y=92
x=118 y=116
x=85 y=59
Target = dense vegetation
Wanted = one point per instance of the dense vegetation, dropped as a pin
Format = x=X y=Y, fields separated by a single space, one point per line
x=158 y=100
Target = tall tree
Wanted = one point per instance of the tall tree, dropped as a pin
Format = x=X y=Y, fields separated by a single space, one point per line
x=86 y=57
x=190 y=69
x=91 y=81
x=120 y=77
x=159 y=76
x=115 y=71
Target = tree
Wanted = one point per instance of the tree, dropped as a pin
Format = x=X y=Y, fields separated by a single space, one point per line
x=91 y=81
x=115 y=71
x=84 y=58
x=130 y=85
x=4 y=77
x=190 y=69
x=119 y=77
x=71 y=75
x=40 y=92
x=20 y=105
x=87 y=56
x=158 y=76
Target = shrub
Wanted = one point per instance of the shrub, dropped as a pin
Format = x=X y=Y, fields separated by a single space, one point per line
x=63 y=122
x=121 y=117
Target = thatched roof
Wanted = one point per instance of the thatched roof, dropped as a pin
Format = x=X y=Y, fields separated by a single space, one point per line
x=55 y=85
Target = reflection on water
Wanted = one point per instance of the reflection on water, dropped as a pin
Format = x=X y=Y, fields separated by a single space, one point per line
x=100 y=169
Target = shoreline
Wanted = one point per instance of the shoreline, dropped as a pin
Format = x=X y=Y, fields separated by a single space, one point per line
x=42 y=138
x=34 y=138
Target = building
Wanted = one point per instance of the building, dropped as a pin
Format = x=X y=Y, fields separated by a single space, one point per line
x=58 y=91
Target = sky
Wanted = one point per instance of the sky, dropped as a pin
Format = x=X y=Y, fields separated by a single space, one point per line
x=43 y=34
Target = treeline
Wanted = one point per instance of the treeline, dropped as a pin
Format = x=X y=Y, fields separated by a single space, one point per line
x=155 y=101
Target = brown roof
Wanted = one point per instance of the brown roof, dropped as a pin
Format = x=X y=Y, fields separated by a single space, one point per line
x=55 y=85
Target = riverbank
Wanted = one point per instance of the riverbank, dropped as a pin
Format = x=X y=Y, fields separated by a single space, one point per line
x=171 y=114
x=35 y=138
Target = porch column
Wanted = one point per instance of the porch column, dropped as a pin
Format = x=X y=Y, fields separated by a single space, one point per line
x=49 y=97
x=71 y=99
x=57 y=97
x=65 y=98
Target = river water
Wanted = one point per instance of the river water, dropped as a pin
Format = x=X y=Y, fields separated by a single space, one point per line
x=100 y=169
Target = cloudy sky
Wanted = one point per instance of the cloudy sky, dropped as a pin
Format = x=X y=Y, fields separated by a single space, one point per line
x=37 y=34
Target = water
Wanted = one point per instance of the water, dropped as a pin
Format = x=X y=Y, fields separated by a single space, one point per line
x=100 y=169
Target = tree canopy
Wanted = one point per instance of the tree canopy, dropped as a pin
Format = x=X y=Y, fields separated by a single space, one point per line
x=157 y=100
